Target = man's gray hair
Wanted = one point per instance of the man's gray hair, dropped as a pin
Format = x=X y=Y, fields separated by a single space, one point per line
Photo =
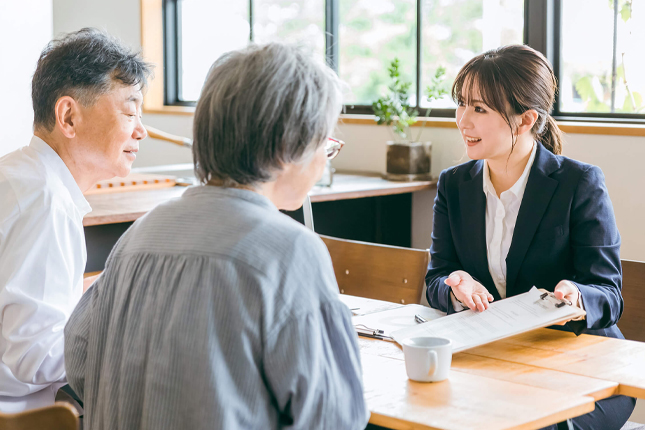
x=83 y=65
x=262 y=107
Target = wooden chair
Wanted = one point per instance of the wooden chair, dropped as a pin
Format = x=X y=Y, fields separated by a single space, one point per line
x=632 y=322
x=381 y=272
x=59 y=416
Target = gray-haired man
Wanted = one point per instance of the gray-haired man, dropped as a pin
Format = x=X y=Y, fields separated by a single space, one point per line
x=87 y=100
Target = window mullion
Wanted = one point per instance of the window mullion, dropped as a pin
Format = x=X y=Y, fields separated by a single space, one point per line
x=332 y=53
x=542 y=33
x=251 y=20
x=171 y=60
x=539 y=26
x=419 y=50
x=178 y=53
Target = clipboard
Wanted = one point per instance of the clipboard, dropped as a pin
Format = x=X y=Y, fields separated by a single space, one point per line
x=509 y=317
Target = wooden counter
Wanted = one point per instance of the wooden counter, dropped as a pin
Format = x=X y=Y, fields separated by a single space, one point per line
x=128 y=206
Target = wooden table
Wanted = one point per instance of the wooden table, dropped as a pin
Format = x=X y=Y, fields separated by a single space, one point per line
x=129 y=206
x=523 y=382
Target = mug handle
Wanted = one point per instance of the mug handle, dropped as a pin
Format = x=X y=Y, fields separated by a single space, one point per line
x=432 y=363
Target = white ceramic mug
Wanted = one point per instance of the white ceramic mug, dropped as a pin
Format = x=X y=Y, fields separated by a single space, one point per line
x=427 y=359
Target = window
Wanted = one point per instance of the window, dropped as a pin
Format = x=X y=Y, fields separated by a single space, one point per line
x=455 y=31
x=594 y=54
x=202 y=24
x=371 y=34
x=601 y=63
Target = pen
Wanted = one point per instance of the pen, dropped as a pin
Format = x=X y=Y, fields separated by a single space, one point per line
x=418 y=318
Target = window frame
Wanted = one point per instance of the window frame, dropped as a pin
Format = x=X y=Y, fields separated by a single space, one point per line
x=542 y=25
x=598 y=117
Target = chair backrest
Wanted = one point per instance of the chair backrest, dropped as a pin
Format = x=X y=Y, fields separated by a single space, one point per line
x=59 y=416
x=632 y=322
x=379 y=272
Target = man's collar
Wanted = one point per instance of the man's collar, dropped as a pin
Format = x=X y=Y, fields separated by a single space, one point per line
x=57 y=166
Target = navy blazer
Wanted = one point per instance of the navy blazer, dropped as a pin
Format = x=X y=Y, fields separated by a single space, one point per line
x=565 y=230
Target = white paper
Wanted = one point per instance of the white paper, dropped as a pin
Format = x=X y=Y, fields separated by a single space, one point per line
x=395 y=319
x=505 y=318
x=364 y=306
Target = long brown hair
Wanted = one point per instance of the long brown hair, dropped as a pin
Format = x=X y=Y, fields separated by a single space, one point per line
x=511 y=80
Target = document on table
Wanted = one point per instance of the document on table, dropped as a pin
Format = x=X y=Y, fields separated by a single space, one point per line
x=388 y=321
x=508 y=317
x=364 y=306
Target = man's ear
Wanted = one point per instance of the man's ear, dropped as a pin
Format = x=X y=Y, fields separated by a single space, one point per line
x=67 y=115
x=527 y=120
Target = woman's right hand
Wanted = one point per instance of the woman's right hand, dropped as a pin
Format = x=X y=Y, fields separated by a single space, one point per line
x=468 y=291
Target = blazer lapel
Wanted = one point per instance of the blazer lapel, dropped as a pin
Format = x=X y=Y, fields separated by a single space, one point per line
x=472 y=202
x=537 y=196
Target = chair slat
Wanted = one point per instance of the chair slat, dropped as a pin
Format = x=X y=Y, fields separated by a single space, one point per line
x=59 y=416
x=379 y=272
x=632 y=322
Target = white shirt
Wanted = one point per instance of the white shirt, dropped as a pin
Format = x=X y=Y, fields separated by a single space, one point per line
x=42 y=260
x=501 y=216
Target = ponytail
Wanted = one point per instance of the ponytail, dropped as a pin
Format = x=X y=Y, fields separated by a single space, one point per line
x=551 y=136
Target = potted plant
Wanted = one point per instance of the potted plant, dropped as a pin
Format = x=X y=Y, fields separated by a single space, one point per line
x=407 y=157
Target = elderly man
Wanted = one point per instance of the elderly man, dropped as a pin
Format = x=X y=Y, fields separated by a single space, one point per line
x=87 y=100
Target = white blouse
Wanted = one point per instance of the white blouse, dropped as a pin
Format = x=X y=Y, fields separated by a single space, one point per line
x=501 y=216
x=42 y=260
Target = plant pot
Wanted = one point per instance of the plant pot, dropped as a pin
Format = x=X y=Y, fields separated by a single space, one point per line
x=408 y=161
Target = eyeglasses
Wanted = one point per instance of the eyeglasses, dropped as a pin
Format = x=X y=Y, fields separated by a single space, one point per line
x=333 y=147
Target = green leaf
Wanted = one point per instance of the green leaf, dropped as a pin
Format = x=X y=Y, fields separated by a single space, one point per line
x=638 y=101
x=626 y=11
x=394 y=109
x=584 y=87
x=437 y=88
x=627 y=105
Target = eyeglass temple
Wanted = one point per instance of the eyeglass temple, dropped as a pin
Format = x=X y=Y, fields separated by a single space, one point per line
x=308 y=214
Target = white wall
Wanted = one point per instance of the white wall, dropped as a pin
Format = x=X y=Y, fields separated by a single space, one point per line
x=121 y=18
x=25 y=29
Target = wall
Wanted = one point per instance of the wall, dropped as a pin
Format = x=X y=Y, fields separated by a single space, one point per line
x=25 y=29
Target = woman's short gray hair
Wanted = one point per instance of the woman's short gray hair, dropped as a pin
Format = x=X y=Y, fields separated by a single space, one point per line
x=262 y=107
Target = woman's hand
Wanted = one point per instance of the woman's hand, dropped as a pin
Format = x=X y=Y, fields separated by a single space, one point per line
x=568 y=291
x=468 y=291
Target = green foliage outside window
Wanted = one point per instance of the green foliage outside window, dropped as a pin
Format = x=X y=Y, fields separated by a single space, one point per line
x=596 y=91
x=394 y=109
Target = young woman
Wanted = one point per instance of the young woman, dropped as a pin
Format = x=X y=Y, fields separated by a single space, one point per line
x=520 y=214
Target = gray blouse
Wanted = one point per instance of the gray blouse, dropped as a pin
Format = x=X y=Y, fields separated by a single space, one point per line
x=216 y=311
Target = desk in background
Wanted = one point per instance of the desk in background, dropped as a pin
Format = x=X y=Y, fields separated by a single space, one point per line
x=357 y=206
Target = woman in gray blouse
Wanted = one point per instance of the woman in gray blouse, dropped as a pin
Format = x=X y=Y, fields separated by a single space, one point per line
x=215 y=310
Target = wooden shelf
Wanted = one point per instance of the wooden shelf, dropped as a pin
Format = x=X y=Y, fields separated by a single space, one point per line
x=129 y=206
